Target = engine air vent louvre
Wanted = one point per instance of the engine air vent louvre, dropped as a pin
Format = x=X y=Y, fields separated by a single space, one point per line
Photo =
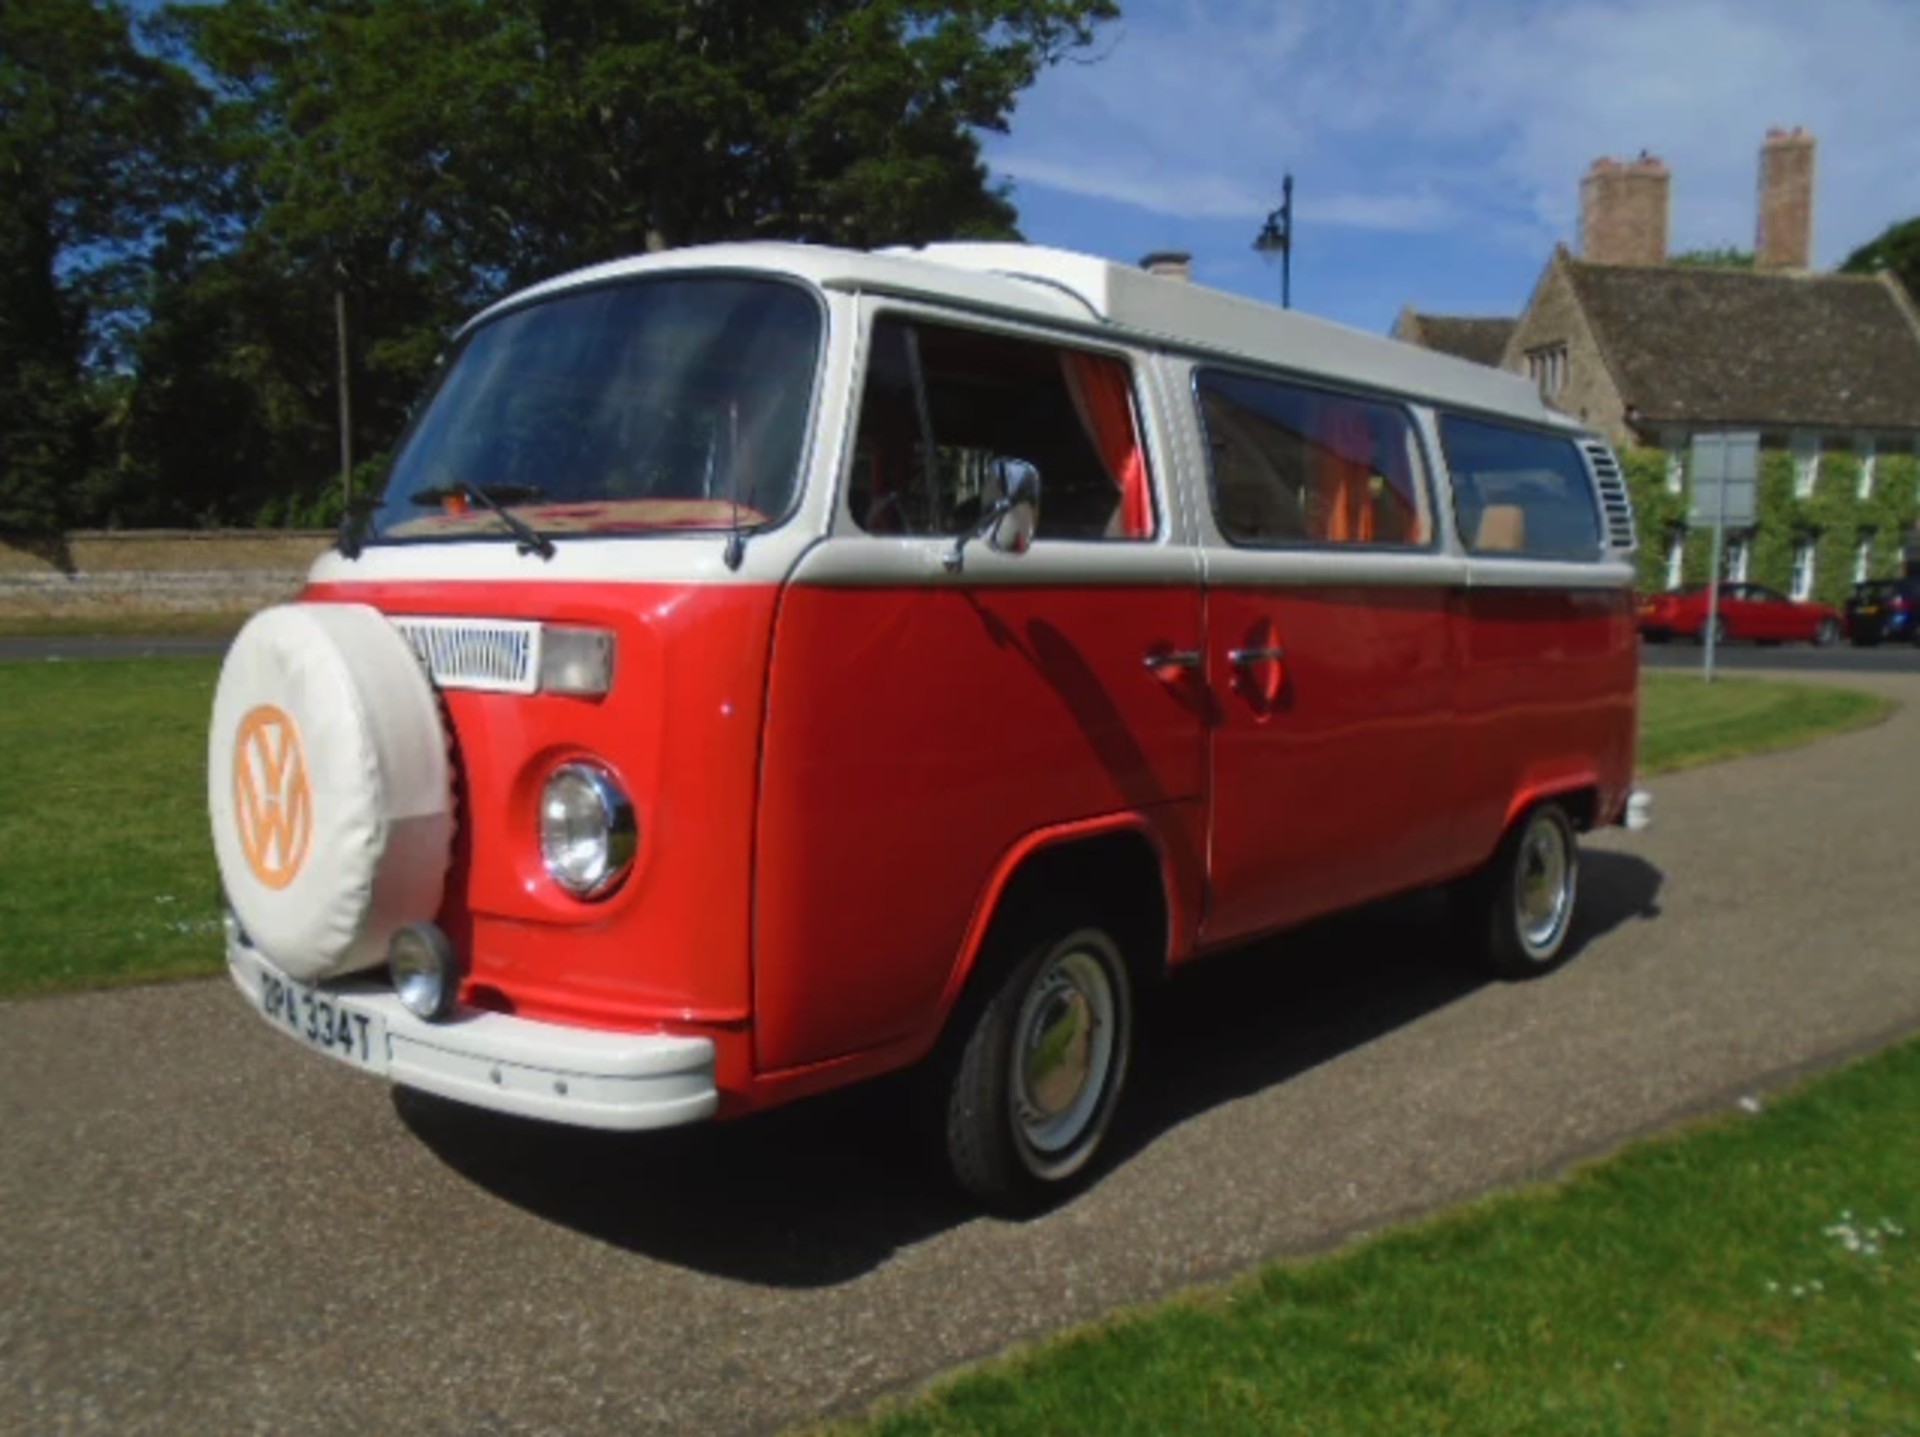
x=1616 y=505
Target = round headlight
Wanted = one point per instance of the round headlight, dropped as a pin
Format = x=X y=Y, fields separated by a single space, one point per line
x=425 y=970
x=587 y=830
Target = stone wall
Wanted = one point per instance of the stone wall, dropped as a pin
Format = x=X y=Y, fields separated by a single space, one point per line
x=89 y=573
x=1554 y=317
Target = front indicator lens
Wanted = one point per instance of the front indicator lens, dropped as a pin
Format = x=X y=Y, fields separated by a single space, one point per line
x=576 y=661
x=588 y=833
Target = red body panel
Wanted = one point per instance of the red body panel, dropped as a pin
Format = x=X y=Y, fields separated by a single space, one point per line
x=915 y=737
x=1330 y=766
x=833 y=783
x=1545 y=701
x=681 y=730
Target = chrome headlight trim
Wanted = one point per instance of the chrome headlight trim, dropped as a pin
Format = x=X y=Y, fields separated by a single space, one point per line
x=589 y=833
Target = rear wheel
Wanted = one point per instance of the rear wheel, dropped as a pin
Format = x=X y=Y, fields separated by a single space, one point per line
x=1032 y=1090
x=1828 y=634
x=1515 y=914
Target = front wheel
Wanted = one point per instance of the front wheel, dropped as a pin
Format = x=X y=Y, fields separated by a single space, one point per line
x=1033 y=1090
x=1828 y=634
x=1515 y=914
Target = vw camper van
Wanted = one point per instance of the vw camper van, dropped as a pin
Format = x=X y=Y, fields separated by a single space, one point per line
x=771 y=666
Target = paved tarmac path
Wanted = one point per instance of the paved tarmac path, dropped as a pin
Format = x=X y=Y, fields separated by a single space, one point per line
x=204 y=1229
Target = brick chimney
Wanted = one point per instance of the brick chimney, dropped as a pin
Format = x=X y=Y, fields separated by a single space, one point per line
x=1623 y=211
x=1783 y=234
x=1170 y=263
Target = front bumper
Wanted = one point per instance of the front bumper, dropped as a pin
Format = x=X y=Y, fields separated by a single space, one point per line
x=578 y=1076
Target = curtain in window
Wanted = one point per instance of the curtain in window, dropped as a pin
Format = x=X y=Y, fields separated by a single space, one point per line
x=1104 y=400
x=1342 y=491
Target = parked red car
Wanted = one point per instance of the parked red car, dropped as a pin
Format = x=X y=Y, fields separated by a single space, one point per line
x=1746 y=611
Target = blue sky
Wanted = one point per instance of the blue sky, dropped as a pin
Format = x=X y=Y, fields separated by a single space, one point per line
x=1437 y=145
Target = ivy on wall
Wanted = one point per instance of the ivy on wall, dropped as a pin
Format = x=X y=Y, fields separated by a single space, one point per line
x=1834 y=517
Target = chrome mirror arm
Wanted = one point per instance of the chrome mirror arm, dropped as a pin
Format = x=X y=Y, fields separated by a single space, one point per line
x=999 y=509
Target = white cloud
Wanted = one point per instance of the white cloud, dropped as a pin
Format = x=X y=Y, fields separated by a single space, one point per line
x=1404 y=115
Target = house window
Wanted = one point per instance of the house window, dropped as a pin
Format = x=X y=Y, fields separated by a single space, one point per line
x=1676 y=557
x=1547 y=367
x=1863 y=450
x=1806 y=464
x=1802 y=568
x=1863 y=560
x=1676 y=459
x=1734 y=562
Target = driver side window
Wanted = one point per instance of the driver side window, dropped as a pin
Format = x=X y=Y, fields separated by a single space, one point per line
x=942 y=404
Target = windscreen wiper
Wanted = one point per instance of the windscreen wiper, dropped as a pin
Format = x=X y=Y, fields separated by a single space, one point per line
x=531 y=540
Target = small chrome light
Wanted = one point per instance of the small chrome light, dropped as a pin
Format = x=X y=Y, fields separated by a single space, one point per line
x=588 y=833
x=576 y=661
x=426 y=971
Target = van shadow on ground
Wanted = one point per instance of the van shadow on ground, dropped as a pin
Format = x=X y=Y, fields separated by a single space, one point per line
x=828 y=1189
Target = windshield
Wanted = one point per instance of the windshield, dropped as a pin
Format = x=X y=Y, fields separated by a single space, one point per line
x=658 y=404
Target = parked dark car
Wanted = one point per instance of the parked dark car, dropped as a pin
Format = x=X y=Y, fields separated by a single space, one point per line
x=1745 y=611
x=1884 y=611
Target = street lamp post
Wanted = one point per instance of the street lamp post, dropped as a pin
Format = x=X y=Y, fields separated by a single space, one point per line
x=1276 y=236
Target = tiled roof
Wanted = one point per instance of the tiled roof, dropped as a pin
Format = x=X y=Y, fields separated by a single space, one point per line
x=1481 y=340
x=1727 y=346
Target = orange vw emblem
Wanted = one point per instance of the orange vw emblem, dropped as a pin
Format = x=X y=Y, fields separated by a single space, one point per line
x=271 y=800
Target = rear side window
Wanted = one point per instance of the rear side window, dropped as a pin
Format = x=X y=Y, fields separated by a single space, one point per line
x=1293 y=465
x=942 y=403
x=1519 y=492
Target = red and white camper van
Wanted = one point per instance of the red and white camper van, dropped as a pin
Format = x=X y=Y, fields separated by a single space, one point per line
x=769 y=666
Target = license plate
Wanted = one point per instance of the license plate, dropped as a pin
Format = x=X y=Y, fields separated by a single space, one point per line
x=1869 y=611
x=322 y=1021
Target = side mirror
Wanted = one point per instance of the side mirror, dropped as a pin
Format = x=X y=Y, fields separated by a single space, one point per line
x=1010 y=519
x=1016 y=513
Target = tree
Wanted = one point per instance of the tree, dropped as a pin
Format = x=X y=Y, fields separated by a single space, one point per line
x=1716 y=257
x=89 y=134
x=1896 y=248
x=424 y=156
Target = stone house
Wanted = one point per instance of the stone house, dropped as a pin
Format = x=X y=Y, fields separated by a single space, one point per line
x=1825 y=367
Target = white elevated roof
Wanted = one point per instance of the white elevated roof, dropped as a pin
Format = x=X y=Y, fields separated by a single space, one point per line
x=1185 y=313
x=1039 y=282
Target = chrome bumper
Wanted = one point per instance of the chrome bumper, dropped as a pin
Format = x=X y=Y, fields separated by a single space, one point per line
x=579 y=1076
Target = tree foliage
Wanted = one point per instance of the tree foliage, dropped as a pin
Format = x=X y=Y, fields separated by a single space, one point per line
x=1895 y=248
x=1723 y=256
x=194 y=200
x=91 y=136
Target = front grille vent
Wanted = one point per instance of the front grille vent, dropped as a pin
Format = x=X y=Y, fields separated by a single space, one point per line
x=492 y=655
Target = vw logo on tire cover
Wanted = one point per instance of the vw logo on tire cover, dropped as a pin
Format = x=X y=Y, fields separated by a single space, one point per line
x=272 y=801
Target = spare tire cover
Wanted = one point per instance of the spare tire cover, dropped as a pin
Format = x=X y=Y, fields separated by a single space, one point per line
x=328 y=784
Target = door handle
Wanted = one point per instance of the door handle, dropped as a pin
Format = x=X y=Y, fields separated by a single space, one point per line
x=1240 y=658
x=1173 y=659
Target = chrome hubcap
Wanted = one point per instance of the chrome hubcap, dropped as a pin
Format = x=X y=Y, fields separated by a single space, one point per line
x=1064 y=1052
x=1543 y=885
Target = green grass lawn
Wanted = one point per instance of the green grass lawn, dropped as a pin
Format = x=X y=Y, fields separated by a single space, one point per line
x=1757 y=1276
x=108 y=862
x=104 y=844
x=1685 y=721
